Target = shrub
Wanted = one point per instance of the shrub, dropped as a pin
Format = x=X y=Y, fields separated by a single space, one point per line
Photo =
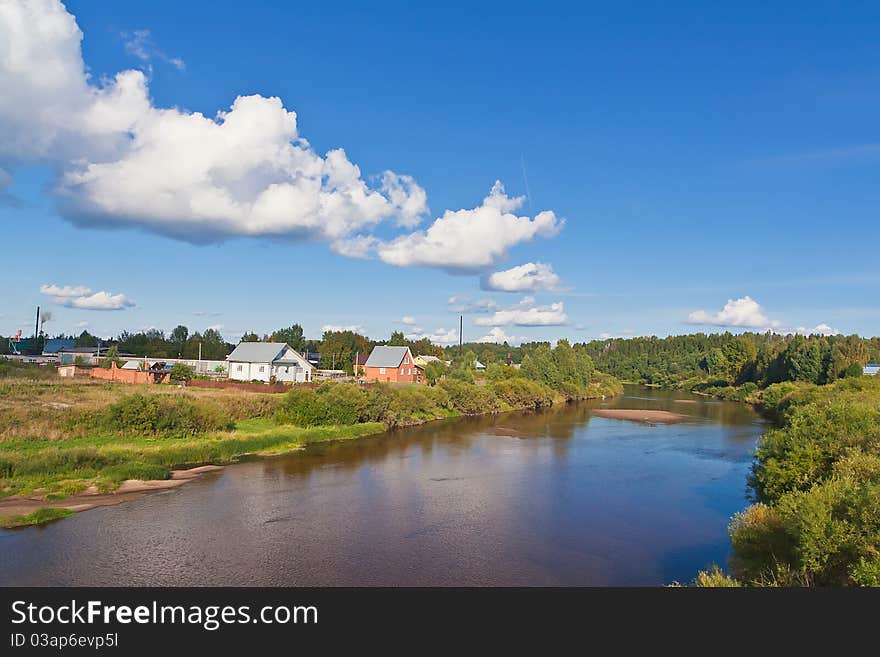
x=470 y=399
x=163 y=415
x=331 y=403
x=522 y=393
x=714 y=578
x=181 y=372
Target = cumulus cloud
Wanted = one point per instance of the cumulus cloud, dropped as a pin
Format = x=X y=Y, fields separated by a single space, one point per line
x=407 y=319
x=126 y=162
x=530 y=277
x=336 y=328
x=498 y=336
x=440 y=335
x=744 y=312
x=820 y=329
x=65 y=290
x=467 y=306
x=82 y=297
x=470 y=240
x=527 y=313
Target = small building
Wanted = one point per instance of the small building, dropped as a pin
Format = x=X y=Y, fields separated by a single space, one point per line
x=871 y=369
x=269 y=361
x=422 y=361
x=393 y=364
x=53 y=345
x=479 y=366
x=360 y=361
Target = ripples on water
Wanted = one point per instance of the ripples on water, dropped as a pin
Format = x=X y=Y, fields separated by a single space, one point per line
x=551 y=498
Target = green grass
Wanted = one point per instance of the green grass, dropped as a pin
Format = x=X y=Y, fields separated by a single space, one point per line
x=53 y=471
x=38 y=517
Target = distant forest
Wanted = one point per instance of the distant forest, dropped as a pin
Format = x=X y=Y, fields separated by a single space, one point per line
x=758 y=358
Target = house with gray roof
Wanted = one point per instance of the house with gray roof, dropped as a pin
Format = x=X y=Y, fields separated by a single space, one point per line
x=268 y=361
x=393 y=365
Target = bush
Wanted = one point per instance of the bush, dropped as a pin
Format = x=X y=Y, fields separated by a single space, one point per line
x=522 y=393
x=714 y=578
x=163 y=415
x=181 y=373
x=470 y=399
x=331 y=403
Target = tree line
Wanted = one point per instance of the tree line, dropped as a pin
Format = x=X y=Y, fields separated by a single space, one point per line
x=725 y=358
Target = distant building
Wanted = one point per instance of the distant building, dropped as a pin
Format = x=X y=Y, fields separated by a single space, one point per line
x=54 y=345
x=393 y=364
x=479 y=366
x=267 y=361
x=422 y=361
x=871 y=369
x=360 y=361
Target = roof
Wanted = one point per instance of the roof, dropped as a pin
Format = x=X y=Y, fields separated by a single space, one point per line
x=386 y=356
x=132 y=365
x=361 y=359
x=478 y=365
x=426 y=359
x=871 y=368
x=257 y=352
x=265 y=352
x=53 y=345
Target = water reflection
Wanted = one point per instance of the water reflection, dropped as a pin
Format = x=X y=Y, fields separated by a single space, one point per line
x=555 y=497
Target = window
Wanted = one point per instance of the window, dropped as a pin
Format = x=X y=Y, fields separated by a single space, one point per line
x=262 y=368
x=401 y=371
x=409 y=370
x=238 y=368
x=381 y=370
x=405 y=360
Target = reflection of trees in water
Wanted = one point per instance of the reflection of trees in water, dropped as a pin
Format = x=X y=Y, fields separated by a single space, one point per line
x=457 y=436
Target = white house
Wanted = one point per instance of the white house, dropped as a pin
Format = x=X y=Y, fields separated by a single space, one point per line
x=263 y=361
x=871 y=369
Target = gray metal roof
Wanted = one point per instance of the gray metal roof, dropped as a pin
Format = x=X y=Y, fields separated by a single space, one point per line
x=386 y=356
x=257 y=352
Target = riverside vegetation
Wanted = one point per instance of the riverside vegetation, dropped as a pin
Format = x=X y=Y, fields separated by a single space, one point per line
x=62 y=437
x=815 y=482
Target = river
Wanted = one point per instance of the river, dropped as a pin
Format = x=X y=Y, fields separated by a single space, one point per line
x=558 y=497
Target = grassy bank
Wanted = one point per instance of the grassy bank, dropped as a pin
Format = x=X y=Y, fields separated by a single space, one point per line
x=59 y=438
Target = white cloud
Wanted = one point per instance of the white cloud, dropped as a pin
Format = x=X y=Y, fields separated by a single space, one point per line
x=530 y=277
x=470 y=240
x=215 y=327
x=498 y=336
x=82 y=297
x=527 y=313
x=820 y=329
x=467 y=306
x=65 y=290
x=140 y=44
x=744 y=312
x=407 y=319
x=359 y=246
x=336 y=328
x=81 y=324
x=206 y=313
x=127 y=162
x=440 y=335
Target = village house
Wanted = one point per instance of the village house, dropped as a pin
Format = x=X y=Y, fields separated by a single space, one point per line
x=269 y=361
x=393 y=365
x=871 y=369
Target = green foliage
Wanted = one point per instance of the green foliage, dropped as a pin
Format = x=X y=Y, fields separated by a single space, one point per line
x=519 y=392
x=181 y=372
x=119 y=472
x=112 y=356
x=162 y=415
x=817 y=478
x=434 y=371
x=714 y=578
x=40 y=516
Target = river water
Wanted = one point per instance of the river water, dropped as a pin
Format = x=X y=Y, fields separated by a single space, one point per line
x=550 y=498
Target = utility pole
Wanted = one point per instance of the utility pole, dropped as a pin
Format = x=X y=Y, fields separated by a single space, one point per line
x=460 y=330
x=37 y=325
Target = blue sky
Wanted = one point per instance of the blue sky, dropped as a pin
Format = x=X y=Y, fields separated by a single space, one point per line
x=706 y=167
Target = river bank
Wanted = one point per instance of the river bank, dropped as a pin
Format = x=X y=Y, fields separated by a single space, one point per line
x=552 y=497
x=107 y=446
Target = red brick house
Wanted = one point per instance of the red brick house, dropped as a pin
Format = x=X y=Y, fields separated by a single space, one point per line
x=393 y=365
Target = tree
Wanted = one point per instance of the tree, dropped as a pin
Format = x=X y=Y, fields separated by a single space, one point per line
x=179 y=336
x=181 y=373
x=434 y=371
x=292 y=335
x=803 y=360
x=397 y=339
x=338 y=349
x=250 y=337
x=86 y=339
x=112 y=356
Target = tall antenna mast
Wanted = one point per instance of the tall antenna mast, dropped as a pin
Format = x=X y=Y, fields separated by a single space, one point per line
x=37 y=325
